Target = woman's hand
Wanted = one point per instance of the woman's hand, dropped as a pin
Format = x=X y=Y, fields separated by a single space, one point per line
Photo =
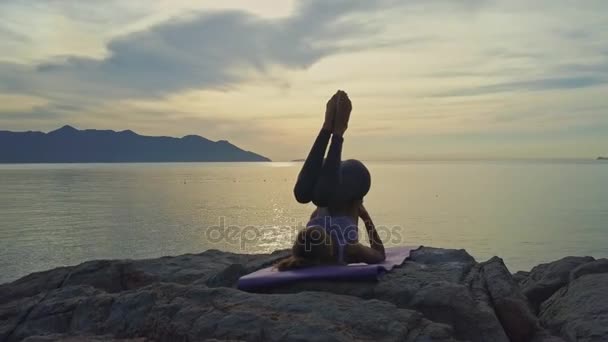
x=344 y=107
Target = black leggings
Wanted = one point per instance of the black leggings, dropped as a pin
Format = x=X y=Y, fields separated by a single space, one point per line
x=318 y=179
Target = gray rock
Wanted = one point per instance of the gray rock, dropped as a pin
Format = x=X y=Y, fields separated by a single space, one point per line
x=570 y=295
x=546 y=337
x=594 y=267
x=67 y=338
x=432 y=256
x=172 y=312
x=33 y=284
x=545 y=279
x=432 y=281
x=521 y=276
x=212 y=267
x=13 y=313
x=436 y=295
x=509 y=303
x=579 y=311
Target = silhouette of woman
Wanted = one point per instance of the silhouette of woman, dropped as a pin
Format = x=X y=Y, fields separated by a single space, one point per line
x=337 y=189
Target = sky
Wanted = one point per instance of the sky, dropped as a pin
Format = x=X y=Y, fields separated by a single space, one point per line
x=429 y=79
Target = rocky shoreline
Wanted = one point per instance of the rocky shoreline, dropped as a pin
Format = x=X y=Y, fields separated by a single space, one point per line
x=436 y=295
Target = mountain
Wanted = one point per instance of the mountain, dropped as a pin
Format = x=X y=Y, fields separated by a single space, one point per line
x=602 y=158
x=70 y=145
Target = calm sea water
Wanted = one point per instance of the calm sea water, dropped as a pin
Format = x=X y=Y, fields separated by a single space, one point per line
x=525 y=212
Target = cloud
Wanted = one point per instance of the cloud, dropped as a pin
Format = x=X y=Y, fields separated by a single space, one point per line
x=10 y=34
x=527 y=86
x=203 y=51
x=19 y=103
x=47 y=116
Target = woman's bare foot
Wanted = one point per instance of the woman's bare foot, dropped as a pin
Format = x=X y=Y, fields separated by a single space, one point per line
x=330 y=112
x=344 y=107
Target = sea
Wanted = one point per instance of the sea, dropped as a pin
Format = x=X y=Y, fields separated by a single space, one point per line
x=526 y=212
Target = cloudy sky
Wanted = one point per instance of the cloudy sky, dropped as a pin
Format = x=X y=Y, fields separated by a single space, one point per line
x=428 y=78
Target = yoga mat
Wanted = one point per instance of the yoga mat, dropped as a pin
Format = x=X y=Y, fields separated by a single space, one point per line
x=271 y=277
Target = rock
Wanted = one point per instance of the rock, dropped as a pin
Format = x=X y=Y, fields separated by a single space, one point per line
x=14 y=312
x=66 y=338
x=509 y=303
x=521 y=276
x=546 y=337
x=579 y=311
x=594 y=267
x=432 y=281
x=436 y=295
x=170 y=312
x=33 y=284
x=212 y=267
x=433 y=256
x=545 y=279
x=570 y=295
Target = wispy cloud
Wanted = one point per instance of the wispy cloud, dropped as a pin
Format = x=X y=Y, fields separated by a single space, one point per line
x=10 y=34
x=201 y=51
x=527 y=86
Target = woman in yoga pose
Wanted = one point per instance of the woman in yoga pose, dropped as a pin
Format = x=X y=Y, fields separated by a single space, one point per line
x=337 y=189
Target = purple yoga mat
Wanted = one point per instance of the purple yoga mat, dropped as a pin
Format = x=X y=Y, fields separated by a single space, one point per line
x=270 y=277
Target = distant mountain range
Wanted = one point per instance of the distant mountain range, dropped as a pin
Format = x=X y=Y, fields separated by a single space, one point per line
x=70 y=145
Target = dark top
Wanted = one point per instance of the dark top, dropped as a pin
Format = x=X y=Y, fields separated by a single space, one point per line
x=318 y=179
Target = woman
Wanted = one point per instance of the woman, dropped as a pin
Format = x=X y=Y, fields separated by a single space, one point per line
x=337 y=188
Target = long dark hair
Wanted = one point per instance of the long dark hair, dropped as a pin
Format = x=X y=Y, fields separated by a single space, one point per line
x=313 y=246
